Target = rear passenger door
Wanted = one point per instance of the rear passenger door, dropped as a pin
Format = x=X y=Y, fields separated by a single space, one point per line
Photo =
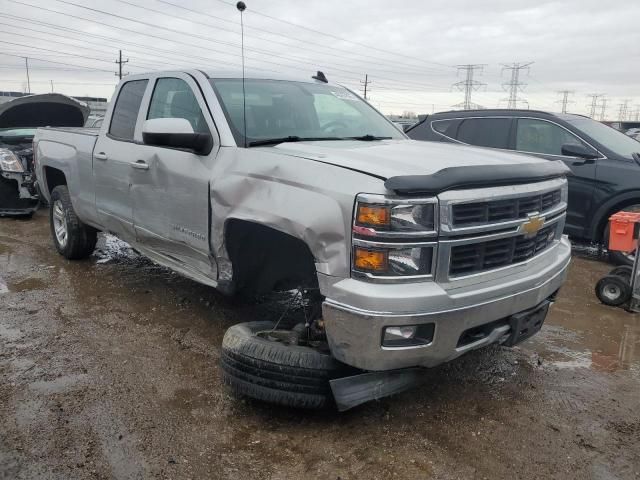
x=545 y=139
x=112 y=157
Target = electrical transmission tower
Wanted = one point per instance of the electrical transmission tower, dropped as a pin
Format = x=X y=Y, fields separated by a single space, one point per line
x=637 y=114
x=622 y=113
x=594 y=103
x=469 y=85
x=366 y=84
x=603 y=109
x=121 y=62
x=565 y=99
x=515 y=85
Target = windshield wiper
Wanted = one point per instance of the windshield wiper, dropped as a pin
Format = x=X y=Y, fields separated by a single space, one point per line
x=290 y=138
x=367 y=138
x=636 y=157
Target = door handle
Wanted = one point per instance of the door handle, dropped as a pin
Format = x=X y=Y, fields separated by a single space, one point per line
x=100 y=156
x=140 y=165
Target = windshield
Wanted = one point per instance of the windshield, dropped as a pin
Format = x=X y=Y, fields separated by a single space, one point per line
x=608 y=137
x=17 y=132
x=281 y=109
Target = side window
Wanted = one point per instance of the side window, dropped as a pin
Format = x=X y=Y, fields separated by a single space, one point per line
x=485 y=132
x=173 y=98
x=441 y=126
x=539 y=136
x=125 y=111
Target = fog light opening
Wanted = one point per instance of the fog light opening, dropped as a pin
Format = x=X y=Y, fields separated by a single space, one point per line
x=408 y=335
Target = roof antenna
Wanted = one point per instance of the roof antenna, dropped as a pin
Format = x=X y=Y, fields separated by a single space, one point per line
x=320 y=76
x=241 y=6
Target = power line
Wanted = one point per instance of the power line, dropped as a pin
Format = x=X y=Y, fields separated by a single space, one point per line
x=515 y=85
x=594 y=102
x=353 y=42
x=469 y=85
x=565 y=99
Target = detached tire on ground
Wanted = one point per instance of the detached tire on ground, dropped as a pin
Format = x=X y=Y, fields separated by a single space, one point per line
x=73 y=239
x=274 y=372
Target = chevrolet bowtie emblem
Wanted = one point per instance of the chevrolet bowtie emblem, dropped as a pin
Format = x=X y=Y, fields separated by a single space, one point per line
x=532 y=225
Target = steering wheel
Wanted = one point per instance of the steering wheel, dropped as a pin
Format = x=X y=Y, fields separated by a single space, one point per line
x=334 y=125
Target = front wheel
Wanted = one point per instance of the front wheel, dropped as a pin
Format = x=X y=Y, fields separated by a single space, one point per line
x=73 y=239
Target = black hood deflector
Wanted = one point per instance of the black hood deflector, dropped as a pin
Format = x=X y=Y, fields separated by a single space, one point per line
x=476 y=176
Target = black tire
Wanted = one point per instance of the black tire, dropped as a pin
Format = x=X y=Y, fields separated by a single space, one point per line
x=613 y=290
x=80 y=238
x=623 y=271
x=267 y=370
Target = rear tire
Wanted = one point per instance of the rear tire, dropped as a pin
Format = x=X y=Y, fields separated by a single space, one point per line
x=73 y=239
x=256 y=366
x=613 y=290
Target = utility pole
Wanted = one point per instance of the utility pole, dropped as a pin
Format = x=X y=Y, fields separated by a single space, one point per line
x=121 y=62
x=26 y=63
x=594 y=102
x=468 y=85
x=603 y=109
x=515 y=85
x=366 y=84
x=565 y=99
x=51 y=85
x=622 y=113
x=637 y=114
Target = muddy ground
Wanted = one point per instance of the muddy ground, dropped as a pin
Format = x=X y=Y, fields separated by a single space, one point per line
x=109 y=369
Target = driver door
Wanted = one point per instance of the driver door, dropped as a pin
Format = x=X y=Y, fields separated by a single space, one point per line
x=170 y=186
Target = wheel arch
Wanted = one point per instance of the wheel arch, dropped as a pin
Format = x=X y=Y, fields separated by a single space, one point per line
x=53 y=177
x=264 y=258
x=613 y=205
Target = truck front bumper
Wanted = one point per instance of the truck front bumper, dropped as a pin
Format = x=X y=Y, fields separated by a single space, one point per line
x=464 y=318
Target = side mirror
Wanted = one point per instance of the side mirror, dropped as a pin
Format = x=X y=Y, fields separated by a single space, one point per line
x=580 y=151
x=175 y=133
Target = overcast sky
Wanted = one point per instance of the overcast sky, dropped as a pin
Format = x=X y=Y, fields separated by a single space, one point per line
x=409 y=49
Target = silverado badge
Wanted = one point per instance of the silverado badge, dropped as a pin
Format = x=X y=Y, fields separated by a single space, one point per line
x=532 y=225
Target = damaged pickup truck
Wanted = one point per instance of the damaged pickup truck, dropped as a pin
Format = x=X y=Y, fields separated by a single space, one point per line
x=19 y=119
x=414 y=253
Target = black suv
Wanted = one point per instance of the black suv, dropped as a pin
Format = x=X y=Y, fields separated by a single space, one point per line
x=605 y=162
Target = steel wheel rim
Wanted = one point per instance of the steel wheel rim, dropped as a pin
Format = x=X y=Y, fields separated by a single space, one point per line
x=611 y=292
x=60 y=224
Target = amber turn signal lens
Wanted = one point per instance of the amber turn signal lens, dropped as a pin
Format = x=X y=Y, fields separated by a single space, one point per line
x=370 y=260
x=373 y=215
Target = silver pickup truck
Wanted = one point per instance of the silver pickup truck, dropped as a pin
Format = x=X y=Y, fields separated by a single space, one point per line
x=417 y=252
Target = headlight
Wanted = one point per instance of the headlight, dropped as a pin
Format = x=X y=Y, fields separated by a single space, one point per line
x=9 y=162
x=393 y=262
x=378 y=216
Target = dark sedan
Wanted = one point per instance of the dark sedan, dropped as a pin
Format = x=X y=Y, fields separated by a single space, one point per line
x=605 y=162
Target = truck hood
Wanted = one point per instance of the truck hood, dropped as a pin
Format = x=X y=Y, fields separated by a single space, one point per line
x=411 y=166
x=48 y=110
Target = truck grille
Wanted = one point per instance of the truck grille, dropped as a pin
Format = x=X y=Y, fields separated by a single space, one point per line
x=480 y=213
x=482 y=256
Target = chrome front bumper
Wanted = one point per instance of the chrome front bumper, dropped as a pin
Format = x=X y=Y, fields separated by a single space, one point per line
x=356 y=312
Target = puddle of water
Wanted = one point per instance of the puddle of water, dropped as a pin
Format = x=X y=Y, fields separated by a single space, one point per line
x=580 y=332
x=28 y=284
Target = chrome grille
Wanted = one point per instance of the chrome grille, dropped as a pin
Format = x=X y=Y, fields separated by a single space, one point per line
x=482 y=256
x=494 y=211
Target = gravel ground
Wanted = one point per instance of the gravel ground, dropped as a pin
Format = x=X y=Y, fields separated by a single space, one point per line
x=109 y=368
